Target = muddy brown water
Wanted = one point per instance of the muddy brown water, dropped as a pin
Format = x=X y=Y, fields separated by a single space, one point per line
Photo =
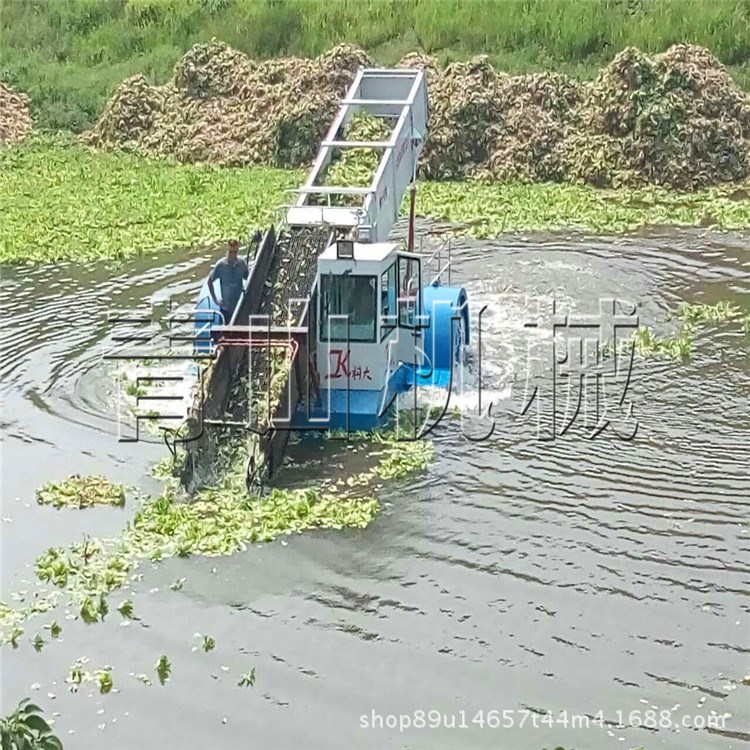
x=576 y=575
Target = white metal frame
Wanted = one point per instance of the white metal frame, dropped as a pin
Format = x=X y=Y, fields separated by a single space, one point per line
x=401 y=94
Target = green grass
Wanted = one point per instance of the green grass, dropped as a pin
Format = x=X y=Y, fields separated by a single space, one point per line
x=61 y=202
x=70 y=54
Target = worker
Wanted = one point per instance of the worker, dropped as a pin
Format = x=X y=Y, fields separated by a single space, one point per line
x=231 y=272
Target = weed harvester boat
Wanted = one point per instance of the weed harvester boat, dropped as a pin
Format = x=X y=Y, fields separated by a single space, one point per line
x=335 y=320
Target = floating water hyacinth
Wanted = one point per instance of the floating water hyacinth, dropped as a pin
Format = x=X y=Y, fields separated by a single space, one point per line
x=104 y=679
x=81 y=492
x=98 y=194
x=78 y=674
x=220 y=520
x=207 y=642
x=247 y=679
x=163 y=669
x=646 y=343
x=62 y=201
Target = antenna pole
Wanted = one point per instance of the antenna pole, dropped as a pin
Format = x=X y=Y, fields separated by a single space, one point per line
x=410 y=241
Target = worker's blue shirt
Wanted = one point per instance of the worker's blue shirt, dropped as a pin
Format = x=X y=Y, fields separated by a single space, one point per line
x=231 y=278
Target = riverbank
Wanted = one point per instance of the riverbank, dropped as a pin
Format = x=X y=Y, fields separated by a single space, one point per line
x=65 y=202
x=70 y=56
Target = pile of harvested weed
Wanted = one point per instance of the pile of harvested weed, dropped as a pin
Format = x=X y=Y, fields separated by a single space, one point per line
x=355 y=167
x=15 y=120
x=222 y=107
x=675 y=119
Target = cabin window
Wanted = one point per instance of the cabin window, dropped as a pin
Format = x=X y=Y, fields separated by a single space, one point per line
x=410 y=285
x=352 y=296
x=388 y=295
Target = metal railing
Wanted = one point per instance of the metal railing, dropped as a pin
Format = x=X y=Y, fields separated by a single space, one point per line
x=444 y=250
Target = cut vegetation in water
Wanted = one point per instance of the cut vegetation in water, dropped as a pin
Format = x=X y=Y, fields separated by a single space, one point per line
x=81 y=492
x=220 y=520
x=691 y=316
x=73 y=204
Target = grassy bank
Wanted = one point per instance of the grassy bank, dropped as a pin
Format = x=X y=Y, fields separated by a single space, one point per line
x=66 y=202
x=70 y=54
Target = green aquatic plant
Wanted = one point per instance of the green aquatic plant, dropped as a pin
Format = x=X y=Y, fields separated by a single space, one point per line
x=207 y=642
x=72 y=203
x=11 y=618
x=163 y=669
x=401 y=457
x=164 y=468
x=54 y=629
x=220 y=520
x=679 y=346
x=247 y=679
x=15 y=633
x=134 y=389
x=78 y=675
x=104 y=679
x=53 y=566
x=126 y=609
x=488 y=210
x=94 y=608
x=81 y=492
x=692 y=313
x=648 y=344
x=26 y=729
x=38 y=643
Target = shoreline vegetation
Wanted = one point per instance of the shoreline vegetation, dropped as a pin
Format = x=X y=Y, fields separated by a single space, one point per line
x=70 y=55
x=66 y=202
x=212 y=146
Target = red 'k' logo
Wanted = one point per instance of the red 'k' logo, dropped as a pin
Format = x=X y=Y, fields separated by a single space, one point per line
x=342 y=364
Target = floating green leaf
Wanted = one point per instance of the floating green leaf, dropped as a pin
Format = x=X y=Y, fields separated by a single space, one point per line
x=104 y=678
x=15 y=634
x=78 y=675
x=247 y=679
x=81 y=492
x=163 y=669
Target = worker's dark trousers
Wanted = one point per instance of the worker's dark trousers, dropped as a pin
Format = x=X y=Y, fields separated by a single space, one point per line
x=226 y=316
